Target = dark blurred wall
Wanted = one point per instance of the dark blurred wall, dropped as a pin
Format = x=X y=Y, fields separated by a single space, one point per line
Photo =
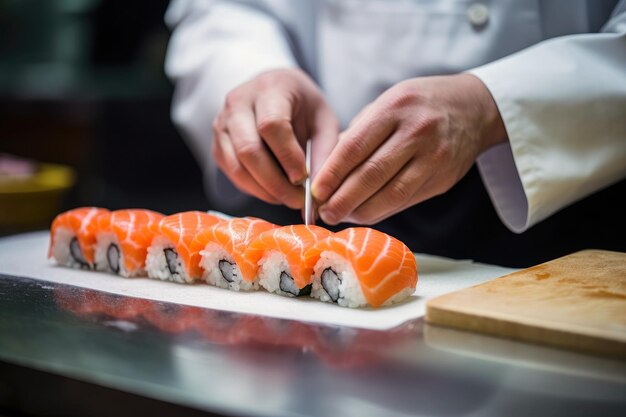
x=82 y=83
x=124 y=30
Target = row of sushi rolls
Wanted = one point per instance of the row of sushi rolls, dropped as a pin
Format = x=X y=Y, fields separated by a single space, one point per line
x=356 y=267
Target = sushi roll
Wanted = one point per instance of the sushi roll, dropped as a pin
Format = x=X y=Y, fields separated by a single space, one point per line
x=360 y=267
x=279 y=254
x=73 y=237
x=123 y=239
x=222 y=250
x=170 y=257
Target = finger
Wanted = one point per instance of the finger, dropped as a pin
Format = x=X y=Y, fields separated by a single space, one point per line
x=324 y=135
x=428 y=190
x=403 y=190
x=256 y=158
x=369 y=177
x=355 y=145
x=360 y=115
x=226 y=159
x=274 y=115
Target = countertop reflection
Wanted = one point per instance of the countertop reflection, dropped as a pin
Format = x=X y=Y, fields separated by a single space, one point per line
x=243 y=364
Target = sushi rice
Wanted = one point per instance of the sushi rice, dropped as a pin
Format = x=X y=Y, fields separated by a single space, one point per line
x=280 y=254
x=170 y=257
x=109 y=257
x=334 y=281
x=164 y=263
x=221 y=270
x=66 y=250
x=275 y=275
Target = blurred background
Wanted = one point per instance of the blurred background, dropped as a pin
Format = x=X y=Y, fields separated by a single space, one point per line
x=84 y=112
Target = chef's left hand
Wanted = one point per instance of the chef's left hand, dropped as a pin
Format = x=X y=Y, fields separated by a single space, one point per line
x=412 y=143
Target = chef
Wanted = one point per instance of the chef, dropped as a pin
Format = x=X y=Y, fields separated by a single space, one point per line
x=491 y=130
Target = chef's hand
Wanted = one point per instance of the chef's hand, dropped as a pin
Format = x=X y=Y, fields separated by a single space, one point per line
x=259 y=134
x=412 y=143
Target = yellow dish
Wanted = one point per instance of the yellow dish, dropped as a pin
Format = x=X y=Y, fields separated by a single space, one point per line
x=32 y=202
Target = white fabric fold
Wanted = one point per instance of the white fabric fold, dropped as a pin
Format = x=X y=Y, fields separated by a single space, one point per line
x=563 y=104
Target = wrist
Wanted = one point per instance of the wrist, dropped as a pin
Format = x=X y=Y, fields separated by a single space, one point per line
x=491 y=129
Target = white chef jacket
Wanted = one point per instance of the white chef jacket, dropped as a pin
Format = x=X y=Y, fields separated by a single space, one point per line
x=556 y=69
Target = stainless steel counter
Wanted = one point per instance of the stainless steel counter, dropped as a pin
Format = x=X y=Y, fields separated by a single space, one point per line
x=237 y=364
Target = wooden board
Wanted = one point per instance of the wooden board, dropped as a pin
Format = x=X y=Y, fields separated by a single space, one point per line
x=576 y=302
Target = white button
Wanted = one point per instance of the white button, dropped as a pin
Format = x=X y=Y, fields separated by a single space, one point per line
x=478 y=14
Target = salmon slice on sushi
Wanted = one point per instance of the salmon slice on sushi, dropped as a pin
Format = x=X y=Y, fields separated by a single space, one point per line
x=360 y=267
x=123 y=239
x=73 y=237
x=222 y=248
x=170 y=257
x=280 y=255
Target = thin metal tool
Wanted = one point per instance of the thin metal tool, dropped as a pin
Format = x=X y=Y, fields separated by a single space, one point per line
x=309 y=215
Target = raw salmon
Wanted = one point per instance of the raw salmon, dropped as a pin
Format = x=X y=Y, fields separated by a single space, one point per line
x=384 y=268
x=73 y=237
x=123 y=240
x=170 y=256
x=280 y=254
x=222 y=248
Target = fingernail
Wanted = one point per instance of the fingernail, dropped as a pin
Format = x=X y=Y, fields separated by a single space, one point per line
x=327 y=216
x=300 y=181
x=320 y=193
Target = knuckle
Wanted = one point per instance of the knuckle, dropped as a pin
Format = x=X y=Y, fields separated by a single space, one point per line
x=399 y=193
x=271 y=79
x=232 y=99
x=429 y=123
x=340 y=205
x=401 y=98
x=443 y=151
x=423 y=126
x=273 y=124
x=247 y=151
x=355 y=147
x=373 y=171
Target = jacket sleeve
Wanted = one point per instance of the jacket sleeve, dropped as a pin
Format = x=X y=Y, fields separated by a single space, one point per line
x=563 y=103
x=215 y=46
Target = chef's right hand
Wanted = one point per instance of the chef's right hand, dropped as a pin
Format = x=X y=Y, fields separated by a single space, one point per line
x=259 y=135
